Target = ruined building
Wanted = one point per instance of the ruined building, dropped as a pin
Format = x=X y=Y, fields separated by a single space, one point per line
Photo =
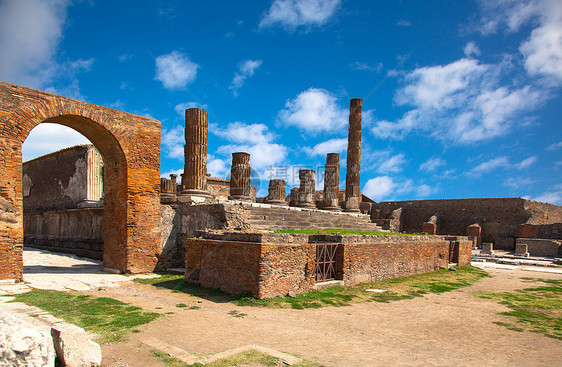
x=217 y=229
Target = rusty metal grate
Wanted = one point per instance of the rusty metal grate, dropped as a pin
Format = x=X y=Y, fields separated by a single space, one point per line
x=325 y=268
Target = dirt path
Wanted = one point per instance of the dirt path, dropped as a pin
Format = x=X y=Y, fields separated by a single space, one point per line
x=454 y=328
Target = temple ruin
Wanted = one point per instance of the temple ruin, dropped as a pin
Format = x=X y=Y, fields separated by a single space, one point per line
x=217 y=228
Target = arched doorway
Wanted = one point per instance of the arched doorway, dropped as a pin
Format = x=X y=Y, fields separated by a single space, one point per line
x=130 y=148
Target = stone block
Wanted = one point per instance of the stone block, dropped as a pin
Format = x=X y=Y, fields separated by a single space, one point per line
x=429 y=228
x=74 y=348
x=521 y=249
x=487 y=248
x=24 y=344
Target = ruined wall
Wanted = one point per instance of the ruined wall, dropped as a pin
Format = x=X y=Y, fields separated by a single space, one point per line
x=130 y=147
x=76 y=231
x=11 y=252
x=63 y=180
x=499 y=217
x=553 y=231
x=270 y=265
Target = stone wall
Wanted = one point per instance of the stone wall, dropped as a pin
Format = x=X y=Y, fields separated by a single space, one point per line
x=553 y=231
x=63 y=180
x=499 y=217
x=77 y=231
x=130 y=147
x=269 y=265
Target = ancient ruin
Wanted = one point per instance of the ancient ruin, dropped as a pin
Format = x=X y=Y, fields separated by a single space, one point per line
x=217 y=228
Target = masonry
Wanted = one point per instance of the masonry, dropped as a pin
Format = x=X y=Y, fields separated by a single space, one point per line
x=130 y=148
x=273 y=264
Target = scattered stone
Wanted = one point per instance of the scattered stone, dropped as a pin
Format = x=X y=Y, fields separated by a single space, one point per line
x=24 y=344
x=74 y=348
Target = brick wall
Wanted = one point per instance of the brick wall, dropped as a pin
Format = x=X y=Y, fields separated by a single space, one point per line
x=270 y=265
x=130 y=148
x=553 y=231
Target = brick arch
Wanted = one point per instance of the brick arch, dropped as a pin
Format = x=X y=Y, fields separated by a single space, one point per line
x=130 y=147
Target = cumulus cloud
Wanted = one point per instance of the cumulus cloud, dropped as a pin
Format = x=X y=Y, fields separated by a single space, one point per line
x=181 y=107
x=175 y=70
x=393 y=164
x=30 y=32
x=379 y=188
x=291 y=14
x=245 y=69
x=314 y=110
x=461 y=101
x=431 y=165
x=471 y=49
x=254 y=139
x=217 y=167
x=554 y=146
x=46 y=138
x=173 y=141
x=328 y=146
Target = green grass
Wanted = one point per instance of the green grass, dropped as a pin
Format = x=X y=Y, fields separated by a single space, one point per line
x=406 y=287
x=109 y=318
x=251 y=357
x=538 y=309
x=344 y=231
x=235 y=313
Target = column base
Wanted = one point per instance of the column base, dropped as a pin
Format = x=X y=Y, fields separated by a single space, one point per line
x=240 y=197
x=276 y=202
x=352 y=210
x=195 y=192
x=168 y=198
x=331 y=208
x=306 y=205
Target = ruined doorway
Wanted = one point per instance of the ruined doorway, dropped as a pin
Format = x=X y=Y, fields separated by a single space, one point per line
x=325 y=268
x=62 y=186
x=130 y=148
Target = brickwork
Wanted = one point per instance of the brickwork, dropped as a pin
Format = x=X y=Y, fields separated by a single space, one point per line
x=269 y=264
x=130 y=148
x=553 y=231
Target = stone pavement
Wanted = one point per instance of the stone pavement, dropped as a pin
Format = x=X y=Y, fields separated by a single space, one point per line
x=49 y=270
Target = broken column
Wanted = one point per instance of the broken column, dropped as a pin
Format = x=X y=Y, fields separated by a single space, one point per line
x=276 y=192
x=240 y=171
x=352 y=178
x=195 y=167
x=168 y=189
x=475 y=231
x=430 y=227
x=305 y=197
x=331 y=182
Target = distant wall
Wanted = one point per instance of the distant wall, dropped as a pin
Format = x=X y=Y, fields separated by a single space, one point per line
x=77 y=231
x=499 y=217
x=63 y=179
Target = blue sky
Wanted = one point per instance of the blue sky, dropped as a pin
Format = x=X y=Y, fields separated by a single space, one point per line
x=461 y=98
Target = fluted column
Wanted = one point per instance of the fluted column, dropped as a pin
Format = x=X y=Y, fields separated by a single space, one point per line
x=240 y=171
x=168 y=190
x=276 y=192
x=353 y=176
x=195 y=168
x=331 y=182
x=305 y=197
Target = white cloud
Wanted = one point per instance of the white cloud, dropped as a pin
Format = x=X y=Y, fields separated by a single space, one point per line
x=47 y=138
x=517 y=182
x=291 y=14
x=357 y=65
x=471 y=49
x=181 y=107
x=314 y=110
x=525 y=163
x=393 y=164
x=173 y=141
x=30 y=32
x=245 y=69
x=404 y=23
x=554 y=146
x=379 y=188
x=175 y=70
x=431 y=165
x=492 y=164
x=424 y=190
x=552 y=197
x=328 y=146
x=217 y=167
x=461 y=101
x=173 y=172
x=253 y=139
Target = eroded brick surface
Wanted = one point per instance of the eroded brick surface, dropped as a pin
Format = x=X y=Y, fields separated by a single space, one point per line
x=130 y=147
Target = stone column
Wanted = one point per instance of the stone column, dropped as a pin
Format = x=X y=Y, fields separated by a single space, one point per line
x=352 y=178
x=276 y=192
x=195 y=150
x=331 y=182
x=305 y=197
x=168 y=190
x=240 y=171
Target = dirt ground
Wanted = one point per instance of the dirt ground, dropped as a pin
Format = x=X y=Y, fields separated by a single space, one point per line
x=454 y=328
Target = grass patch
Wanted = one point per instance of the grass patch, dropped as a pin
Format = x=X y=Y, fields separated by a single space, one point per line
x=539 y=309
x=344 y=231
x=235 y=313
x=109 y=318
x=251 y=357
x=406 y=287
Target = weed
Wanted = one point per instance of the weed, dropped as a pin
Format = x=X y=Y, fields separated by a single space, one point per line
x=194 y=308
x=109 y=318
x=181 y=305
x=235 y=313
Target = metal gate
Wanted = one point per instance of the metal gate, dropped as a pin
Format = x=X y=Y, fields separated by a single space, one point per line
x=325 y=268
